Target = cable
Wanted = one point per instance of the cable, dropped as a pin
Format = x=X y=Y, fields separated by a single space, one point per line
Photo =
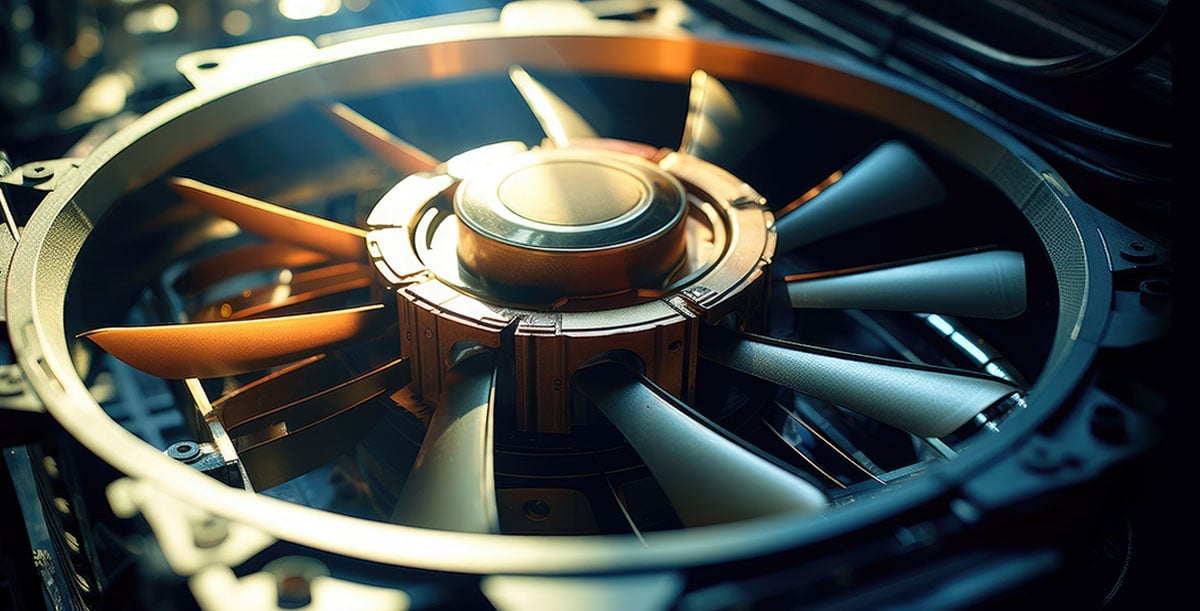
x=1060 y=135
x=1085 y=64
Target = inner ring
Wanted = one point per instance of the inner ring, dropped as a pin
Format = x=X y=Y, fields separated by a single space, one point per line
x=574 y=193
x=552 y=223
x=567 y=200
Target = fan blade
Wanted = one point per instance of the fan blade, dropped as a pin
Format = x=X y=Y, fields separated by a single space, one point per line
x=714 y=129
x=709 y=477
x=989 y=284
x=276 y=222
x=278 y=442
x=218 y=349
x=890 y=181
x=244 y=260
x=396 y=153
x=560 y=122
x=925 y=401
x=304 y=287
x=252 y=416
x=452 y=484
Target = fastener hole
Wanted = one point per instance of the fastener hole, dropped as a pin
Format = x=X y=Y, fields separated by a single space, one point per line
x=1156 y=287
x=536 y=510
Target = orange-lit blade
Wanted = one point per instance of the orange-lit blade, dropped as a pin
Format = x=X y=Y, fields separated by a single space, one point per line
x=217 y=349
x=719 y=127
x=303 y=287
x=396 y=153
x=275 y=222
x=244 y=260
x=560 y=122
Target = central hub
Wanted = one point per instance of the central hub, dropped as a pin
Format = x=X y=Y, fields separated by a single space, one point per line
x=565 y=223
x=573 y=193
x=561 y=257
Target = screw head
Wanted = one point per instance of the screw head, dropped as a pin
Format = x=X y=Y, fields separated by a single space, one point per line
x=1138 y=252
x=184 y=451
x=536 y=510
x=39 y=172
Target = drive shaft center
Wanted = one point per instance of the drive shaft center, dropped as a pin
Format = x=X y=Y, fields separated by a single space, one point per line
x=567 y=223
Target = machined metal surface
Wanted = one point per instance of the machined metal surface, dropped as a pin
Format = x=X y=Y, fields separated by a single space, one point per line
x=557 y=341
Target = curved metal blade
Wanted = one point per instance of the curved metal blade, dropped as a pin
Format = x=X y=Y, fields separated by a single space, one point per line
x=709 y=477
x=560 y=122
x=714 y=129
x=303 y=287
x=890 y=181
x=989 y=284
x=275 y=222
x=252 y=419
x=304 y=415
x=244 y=260
x=452 y=484
x=218 y=349
x=925 y=401
x=396 y=153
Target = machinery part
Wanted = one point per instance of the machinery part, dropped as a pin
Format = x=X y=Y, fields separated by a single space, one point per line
x=549 y=364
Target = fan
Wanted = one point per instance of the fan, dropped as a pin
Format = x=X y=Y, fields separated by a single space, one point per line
x=599 y=329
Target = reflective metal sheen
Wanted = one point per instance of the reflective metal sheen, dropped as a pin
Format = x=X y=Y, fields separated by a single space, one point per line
x=576 y=222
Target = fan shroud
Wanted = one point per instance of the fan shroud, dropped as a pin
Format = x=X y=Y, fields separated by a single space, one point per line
x=99 y=193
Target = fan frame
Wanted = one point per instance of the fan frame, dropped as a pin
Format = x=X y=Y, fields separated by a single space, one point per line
x=229 y=97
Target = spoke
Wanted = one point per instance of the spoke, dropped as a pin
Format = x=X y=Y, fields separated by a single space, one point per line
x=304 y=287
x=710 y=476
x=276 y=222
x=988 y=284
x=218 y=349
x=560 y=122
x=890 y=181
x=244 y=260
x=925 y=401
x=396 y=153
x=452 y=484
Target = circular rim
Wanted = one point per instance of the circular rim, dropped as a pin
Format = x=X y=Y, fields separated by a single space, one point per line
x=43 y=261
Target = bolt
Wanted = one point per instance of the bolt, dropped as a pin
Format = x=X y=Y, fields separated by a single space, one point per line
x=293 y=579
x=536 y=510
x=72 y=542
x=1155 y=287
x=965 y=511
x=184 y=451
x=1108 y=424
x=1138 y=252
x=50 y=466
x=209 y=532
x=39 y=172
